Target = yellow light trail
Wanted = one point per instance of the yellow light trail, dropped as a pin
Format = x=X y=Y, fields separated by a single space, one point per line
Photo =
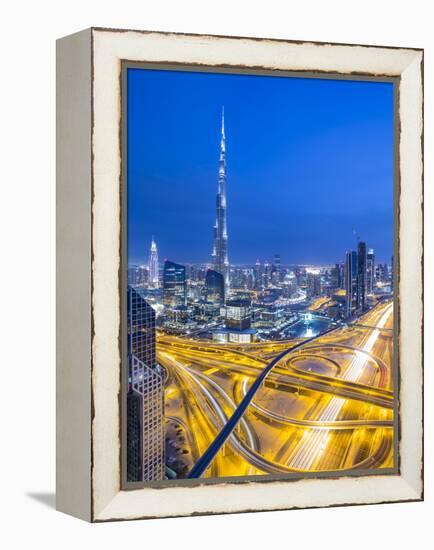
x=314 y=443
x=337 y=432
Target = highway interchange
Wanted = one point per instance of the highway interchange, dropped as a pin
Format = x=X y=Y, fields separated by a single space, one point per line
x=326 y=406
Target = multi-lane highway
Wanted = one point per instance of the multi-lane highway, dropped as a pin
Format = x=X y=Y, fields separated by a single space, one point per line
x=325 y=405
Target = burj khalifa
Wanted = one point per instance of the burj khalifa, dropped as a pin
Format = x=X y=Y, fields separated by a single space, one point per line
x=220 y=248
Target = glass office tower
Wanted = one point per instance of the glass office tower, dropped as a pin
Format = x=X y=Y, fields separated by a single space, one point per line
x=145 y=397
x=174 y=284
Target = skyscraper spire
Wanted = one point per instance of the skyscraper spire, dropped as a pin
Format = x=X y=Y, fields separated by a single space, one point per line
x=153 y=266
x=220 y=248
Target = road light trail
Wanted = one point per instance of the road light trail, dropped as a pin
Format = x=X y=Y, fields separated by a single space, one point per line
x=251 y=455
x=211 y=374
x=249 y=452
x=222 y=416
x=314 y=443
x=202 y=423
x=318 y=382
x=247 y=429
x=203 y=463
x=318 y=424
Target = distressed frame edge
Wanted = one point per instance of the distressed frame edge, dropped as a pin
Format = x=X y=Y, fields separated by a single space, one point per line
x=412 y=130
x=411 y=491
x=253 y=38
x=407 y=495
x=73 y=274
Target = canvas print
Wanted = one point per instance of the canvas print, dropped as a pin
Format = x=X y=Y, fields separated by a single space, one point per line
x=259 y=276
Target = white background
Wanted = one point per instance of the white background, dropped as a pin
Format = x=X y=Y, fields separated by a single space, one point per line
x=27 y=176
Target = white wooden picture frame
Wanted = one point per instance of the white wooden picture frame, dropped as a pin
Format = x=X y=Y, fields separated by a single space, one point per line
x=89 y=165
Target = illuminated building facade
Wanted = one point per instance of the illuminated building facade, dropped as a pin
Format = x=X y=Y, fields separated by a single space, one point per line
x=350 y=275
x=258 y=275
x=277 y=269
x=145 y=397
x=337 y=276
x=382 y=273
x=137 y=275
x=266 y=276
x=174 y=284
x=361 y=276
x=289 y=285
x=237 y=324
x=153 y=266
x=370 y=271
x=220 y=248
x=238 y=314
x=313 y=283
x=215 y=287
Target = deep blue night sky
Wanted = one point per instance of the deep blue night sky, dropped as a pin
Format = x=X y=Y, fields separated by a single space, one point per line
x=308 y=161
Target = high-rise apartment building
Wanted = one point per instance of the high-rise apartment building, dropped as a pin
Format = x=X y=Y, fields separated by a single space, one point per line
x=145 y=397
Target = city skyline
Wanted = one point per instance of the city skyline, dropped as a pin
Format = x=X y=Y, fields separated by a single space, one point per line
x=264 y=260
x=303 y=241
x=260 y=312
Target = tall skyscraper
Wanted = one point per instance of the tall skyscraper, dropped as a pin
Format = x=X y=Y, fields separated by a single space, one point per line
x=215 y=287
x=153 y=266
x=370 y=271
x=313 y=283
x=382 y=273
x=258 y=275
x=174 y=284
x=277 y=267
x=342 y=275
x=266 y=275
x=336 y=276
x=350 y=276
x=220 y=248
x=289 y=284
x=361 y=275
x=145 y=397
